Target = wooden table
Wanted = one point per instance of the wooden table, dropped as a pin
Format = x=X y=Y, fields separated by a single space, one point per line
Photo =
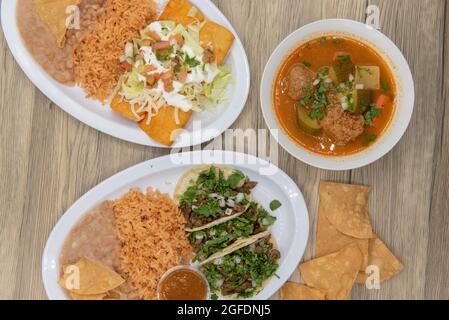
x=49 y=159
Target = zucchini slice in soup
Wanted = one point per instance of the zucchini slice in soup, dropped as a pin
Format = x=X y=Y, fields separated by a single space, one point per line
x=306 y=123
x=361 y=100
x=340 y=71
x=367 y=77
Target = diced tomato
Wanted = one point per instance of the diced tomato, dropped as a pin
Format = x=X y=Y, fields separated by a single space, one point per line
x=153 y=35
x=151 y=80
x=208 y=56
x=147 y=42
x=161 y=45
x=182 y=76
x=382 y=101
x=168 y=85
x=148 y=68
x=126 y=65
x=338 y=54
x=178 y=39
x=167 y=75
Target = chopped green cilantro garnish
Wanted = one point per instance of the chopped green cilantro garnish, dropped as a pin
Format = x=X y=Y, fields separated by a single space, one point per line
x=368 y=139
x=372 y=113
x=275 y=204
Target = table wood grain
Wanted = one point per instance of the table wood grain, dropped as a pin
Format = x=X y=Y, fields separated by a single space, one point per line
x=49 y=159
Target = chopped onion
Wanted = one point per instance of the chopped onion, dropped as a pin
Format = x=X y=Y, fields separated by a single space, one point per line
x=228 y=211
x=237 y=259
x=219 y=283
x=239 y=198
x=328 y=80
x=316 y=82
x=351 y=77
x=230 y=203
x=199 y=237
x=129 y=49
x=344 y=102
x=218 y=261
x=359 y=86
x=222 y=203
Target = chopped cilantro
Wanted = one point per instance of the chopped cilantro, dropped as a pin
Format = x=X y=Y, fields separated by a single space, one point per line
x=368 y=139
x=344 y=58
x=384 y=85
x=275 y=204
x=372 y=113
x=322 y=41
x=307 y=64
x=236 y=179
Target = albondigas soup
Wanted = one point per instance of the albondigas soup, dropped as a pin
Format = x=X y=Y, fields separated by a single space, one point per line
x=334 y=95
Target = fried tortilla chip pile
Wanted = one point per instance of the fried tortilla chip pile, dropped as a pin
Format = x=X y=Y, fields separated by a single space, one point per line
x=346 y=248
x=89 y=280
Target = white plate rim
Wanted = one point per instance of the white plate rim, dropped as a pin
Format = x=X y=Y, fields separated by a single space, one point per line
x=389 y=138
x=49 y=87
x=50 y=269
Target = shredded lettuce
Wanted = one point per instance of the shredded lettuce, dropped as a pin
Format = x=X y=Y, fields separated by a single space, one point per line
x=216 y=90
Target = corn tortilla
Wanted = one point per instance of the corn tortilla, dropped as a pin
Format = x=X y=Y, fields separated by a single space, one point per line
x=54 y=14
x=329 y=240
x=335 y=273
x=94 y=278
x=296 y=291
x=182 y=12
x=380 y=256
x=218 y=38
x=345 y=206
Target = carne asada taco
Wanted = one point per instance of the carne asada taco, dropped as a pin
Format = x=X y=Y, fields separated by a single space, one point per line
x=224 y=236
x=243 y=272
x=211 y=195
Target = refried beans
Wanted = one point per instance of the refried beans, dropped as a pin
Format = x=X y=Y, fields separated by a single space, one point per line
x=95 y=237
x=40 y=42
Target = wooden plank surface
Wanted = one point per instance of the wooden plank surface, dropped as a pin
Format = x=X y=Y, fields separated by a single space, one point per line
x=48 y=159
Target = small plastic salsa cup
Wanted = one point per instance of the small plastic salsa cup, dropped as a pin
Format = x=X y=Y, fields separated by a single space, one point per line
x=183 y=283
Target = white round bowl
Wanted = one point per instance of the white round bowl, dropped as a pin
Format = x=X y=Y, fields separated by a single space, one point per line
x=393 y=57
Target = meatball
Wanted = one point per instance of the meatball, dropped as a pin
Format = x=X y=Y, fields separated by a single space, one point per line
x=342 y=125
x=299 y=78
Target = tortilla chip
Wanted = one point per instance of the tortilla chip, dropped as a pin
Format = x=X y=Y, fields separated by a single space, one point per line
x=335 y=273
x=162 y=127
x=330 y=240
x=124 y=109
x=94 y=278
x=218 y=38
x=182 y=12
x=87 y=297
x=345 y=206
x=296 y=291
x=381 y=256
x=53 y=14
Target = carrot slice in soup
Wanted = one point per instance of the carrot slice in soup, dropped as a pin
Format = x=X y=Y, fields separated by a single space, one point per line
x=382 y=101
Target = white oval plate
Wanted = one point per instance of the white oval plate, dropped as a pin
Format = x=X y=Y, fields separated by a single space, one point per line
x=91 y=112
x=290 y=230
x=391 y=54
